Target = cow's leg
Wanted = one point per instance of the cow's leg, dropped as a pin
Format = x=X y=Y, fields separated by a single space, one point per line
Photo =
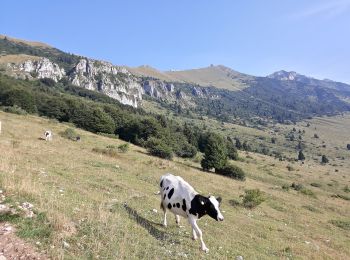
x=194 y=225
x=164 y=210
x=194 y=235
x=177 y=218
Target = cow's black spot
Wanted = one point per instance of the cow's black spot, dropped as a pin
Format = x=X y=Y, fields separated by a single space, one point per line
x=178 y=205
x=161 y=183
x=164 y=196
x=184 y=205
x=174 y=205
x=171 y=192
x=201 y=205
x=167 y=188
x=169 y=206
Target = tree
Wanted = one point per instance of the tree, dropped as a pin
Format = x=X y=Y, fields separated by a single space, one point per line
x=231 y=149
x=215 y=154
x=324 y=159
x=19 y=97
x=238 y=144
x=301 y=156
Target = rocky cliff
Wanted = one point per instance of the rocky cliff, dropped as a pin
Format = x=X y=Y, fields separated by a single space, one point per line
x=114 y=81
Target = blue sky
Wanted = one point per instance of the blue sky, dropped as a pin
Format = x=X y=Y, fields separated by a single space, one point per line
x=255 y=37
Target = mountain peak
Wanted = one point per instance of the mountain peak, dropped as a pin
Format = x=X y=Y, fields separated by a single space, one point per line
x=286 y=75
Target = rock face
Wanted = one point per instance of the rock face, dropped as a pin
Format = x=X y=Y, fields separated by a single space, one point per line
x=41 y=68
x=113 y=81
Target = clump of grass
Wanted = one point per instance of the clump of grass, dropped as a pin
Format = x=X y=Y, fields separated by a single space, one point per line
x=290 y=168
x=346 y=189
x=297 y=186
x=70 y=134
x=314 y=184
x=311 y=208
x=234 y=203
x=285 y=187
x=106 y=151
x=340 y=196
x=253 y=198
x=123 y=148
x=307 y=192
x=344 y=224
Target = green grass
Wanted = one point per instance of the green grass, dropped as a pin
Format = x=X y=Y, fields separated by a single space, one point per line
x=80 y=195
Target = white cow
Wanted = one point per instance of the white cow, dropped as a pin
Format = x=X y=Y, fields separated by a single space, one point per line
x=181 y=199
x=48 y=135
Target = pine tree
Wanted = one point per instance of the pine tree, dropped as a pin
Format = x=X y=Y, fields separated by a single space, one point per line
x=215 y=154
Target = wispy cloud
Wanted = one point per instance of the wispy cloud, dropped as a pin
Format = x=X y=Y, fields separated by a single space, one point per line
x=329 y=9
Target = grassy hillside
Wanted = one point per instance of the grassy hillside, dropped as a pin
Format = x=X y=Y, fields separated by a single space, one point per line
x=80 y=195
x=217 y=76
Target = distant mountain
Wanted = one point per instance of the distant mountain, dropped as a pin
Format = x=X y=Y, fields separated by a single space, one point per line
x=294 y=76
x=215 y=91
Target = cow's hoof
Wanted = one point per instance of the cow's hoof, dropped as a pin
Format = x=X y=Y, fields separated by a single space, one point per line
x=205 y=249
x=165 y=225
x=194 y=238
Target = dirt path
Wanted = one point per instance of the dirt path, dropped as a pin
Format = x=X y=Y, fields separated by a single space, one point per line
x=12 y=247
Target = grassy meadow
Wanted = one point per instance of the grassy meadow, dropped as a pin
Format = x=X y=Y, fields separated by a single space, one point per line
x=91 y=205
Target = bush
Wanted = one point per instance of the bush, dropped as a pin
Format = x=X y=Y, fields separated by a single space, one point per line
x=106 y=151
x=253 y=198
x=324 y=159
x=159 y=148
x=15 y=110
x=69 y=134
x=296 y=186
x=231 y=171
x=123 y=147
x=301 y=156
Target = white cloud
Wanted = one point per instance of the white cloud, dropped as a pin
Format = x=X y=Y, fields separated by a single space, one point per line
x=329 y=9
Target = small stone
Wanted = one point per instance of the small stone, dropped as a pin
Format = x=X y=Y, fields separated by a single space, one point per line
x=307 y=242
x=239 y=257
x=65 y=244
x=2 y=257
x=155 y=211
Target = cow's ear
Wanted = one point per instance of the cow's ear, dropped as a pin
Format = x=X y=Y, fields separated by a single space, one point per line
x=219 y=199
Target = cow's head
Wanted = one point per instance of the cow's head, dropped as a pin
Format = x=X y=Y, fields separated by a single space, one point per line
x=213 y=208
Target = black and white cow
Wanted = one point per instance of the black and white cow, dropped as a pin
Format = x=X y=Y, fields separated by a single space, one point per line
x=181 y=199
x=48 y=135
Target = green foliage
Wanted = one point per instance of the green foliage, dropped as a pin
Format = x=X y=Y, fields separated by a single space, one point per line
x=123 y=147
x=14 y=110
x=253 y=198
x=159 y=148
x=215 y=153
x=231 y=171
x=69 y=134
x=19 y=97
x=231 y=150
x=343 y=224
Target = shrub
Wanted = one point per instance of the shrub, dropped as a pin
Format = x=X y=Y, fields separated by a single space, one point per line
x=159 y=148
x=106 y=151
x=231 y=171
x=340 y=196
x=253 y=198
x=344 y=224
x=296 y=186
x=123 y=147
x=316 y=136
x=290 y=168
x=285 y=187
x=14 y=110
x=69 y=134
x=346 y=188
x=348 y=146
x=307 y=192
x=301 y=156
x=324 y=159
